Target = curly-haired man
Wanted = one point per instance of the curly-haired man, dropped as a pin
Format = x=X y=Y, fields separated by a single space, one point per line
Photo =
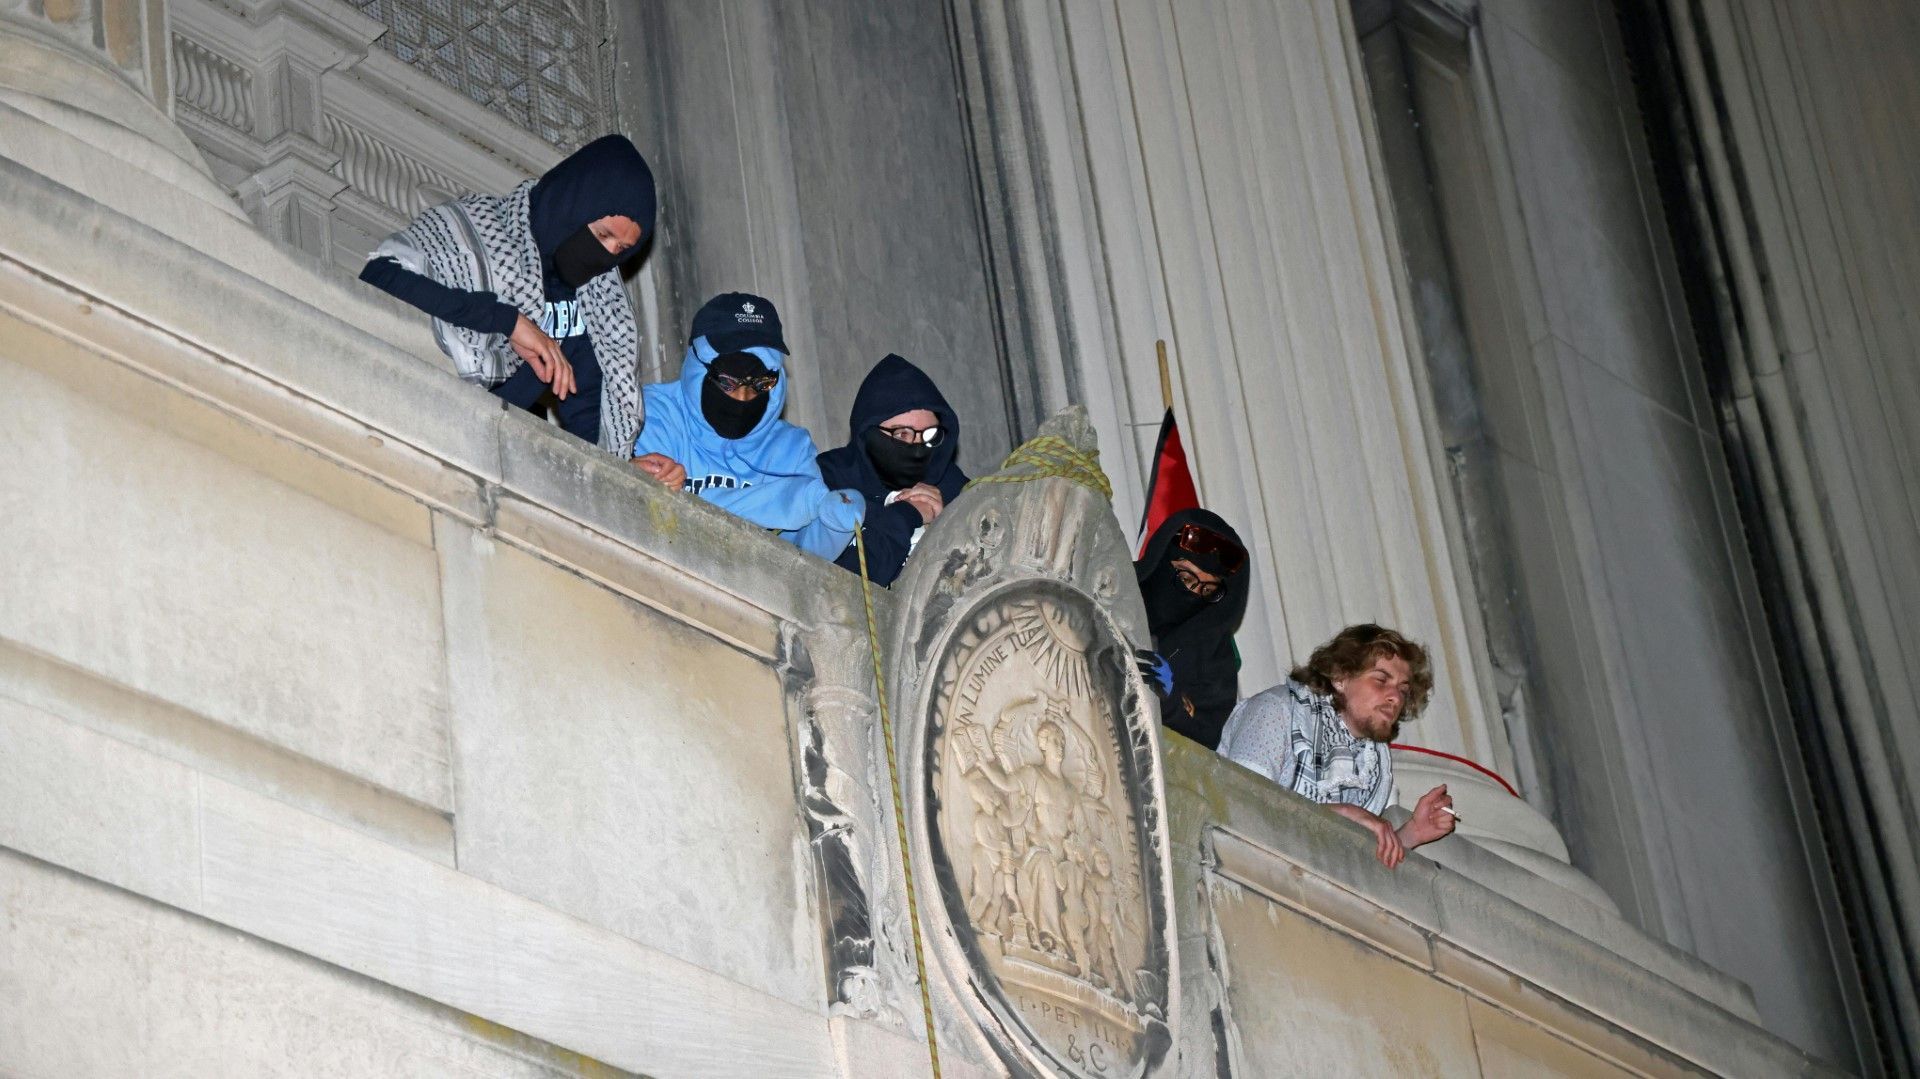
x=1323 y=733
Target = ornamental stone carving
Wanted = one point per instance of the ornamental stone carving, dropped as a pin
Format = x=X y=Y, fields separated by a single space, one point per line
x=1032 y=780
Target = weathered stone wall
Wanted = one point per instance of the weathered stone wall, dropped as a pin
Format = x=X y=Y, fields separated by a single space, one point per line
x=350 y=723
x=1654 y=696
x=377 y=691
x=817 y=153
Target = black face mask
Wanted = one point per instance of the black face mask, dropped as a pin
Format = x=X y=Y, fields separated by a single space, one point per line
x=1168 y=602
x=900 y=464
x=581 y=257
x=730 y=418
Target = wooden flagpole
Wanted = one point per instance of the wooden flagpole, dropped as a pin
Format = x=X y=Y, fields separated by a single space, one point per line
x=1166 y=377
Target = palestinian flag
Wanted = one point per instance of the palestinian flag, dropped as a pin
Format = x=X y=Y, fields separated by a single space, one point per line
x=1170 y=485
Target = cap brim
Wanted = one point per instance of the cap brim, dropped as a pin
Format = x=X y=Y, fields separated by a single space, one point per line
x=740 y=340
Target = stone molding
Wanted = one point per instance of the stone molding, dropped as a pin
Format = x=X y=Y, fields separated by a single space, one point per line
x=1586 y=975
x=1811 y=213
x=849 y=813
x=328 y=141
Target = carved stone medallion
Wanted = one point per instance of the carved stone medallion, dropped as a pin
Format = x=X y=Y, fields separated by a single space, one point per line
x=1043 y=861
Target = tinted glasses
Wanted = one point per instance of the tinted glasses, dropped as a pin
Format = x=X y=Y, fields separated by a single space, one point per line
x=925 y=436
x=756 y=384
x=1199 y=539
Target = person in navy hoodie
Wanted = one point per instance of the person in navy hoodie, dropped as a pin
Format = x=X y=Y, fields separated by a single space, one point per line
x=717 y=431
x=900 y=454
x=525 y=290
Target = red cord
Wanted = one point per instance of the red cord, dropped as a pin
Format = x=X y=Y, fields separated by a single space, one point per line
x=1475 y=765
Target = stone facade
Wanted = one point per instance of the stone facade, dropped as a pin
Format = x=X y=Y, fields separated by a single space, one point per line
x=353 y=725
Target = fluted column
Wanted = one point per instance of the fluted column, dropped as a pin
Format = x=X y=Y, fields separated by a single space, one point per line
x=85 y=99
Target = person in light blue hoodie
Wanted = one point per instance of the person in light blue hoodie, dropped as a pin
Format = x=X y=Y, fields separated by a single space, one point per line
x=717 y=431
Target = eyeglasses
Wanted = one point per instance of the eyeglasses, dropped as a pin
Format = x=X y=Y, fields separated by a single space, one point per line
x=1199 y=539
x=758 y=384
x=925 y=436
x=1194 y=583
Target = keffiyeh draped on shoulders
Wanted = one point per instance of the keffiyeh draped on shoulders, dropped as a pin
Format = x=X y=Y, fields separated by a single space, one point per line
x=1295 y=737
x=485 y=243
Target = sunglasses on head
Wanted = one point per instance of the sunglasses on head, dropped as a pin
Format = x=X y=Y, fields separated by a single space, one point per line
x=759 y=384
x=1199 y=539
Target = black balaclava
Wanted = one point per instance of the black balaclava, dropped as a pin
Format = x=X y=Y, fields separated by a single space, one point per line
x=1168 y=601
x=1195 y=635
x=899 y=464
x=730 y=418
x=606 y=177
x=581 y=257
x=876 y=464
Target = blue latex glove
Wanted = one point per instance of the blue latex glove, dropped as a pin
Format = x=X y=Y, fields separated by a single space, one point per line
x=1156 y=670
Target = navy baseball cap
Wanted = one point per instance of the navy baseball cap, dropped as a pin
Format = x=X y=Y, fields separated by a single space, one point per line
x=733 y=321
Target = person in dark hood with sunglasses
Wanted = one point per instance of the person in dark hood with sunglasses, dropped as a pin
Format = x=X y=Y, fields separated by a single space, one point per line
x=1193 y=579
x=900 y=454
x=716 y=430
x=525 y=290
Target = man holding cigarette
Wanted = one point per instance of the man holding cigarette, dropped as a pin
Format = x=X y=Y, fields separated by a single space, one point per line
x=1323 y=734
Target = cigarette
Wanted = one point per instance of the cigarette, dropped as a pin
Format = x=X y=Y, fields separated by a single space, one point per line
x=1449 y=810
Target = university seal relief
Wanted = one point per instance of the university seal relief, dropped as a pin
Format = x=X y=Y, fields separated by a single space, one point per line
x=1034 y=785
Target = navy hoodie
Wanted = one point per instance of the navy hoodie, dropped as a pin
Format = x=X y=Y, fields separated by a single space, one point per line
x=605 y=177
x=892 y=387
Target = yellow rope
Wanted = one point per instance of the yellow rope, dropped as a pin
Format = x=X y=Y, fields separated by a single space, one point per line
x=1041 y=457
x=899 y=804
x=1052 y=456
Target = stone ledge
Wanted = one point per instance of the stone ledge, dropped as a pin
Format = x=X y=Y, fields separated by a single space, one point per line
x=1443 y=916
x=219 y=1006
x=89 y=700
x=342 y=371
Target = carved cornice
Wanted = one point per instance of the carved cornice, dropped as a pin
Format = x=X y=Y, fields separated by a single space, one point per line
x=384 y=174
x=262 y=82
x=211 y=84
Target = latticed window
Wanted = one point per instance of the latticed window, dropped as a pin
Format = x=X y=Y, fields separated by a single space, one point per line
x=535 y=62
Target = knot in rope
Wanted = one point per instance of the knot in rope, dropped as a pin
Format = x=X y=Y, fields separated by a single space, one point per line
x=1050 y=456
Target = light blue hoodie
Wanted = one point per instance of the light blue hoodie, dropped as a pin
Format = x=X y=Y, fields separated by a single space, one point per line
x=768 y=477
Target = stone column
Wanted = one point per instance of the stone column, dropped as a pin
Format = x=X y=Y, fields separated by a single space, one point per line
x=127 y=37
x=1209 y=184
x=266 y=116
x=85 y=99
x=1158 y=188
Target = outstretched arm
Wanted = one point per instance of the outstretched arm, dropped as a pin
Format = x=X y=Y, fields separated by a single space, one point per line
x=829 y=532
x=479 y=311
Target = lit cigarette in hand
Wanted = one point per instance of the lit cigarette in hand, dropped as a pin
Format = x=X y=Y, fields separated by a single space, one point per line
x=1449 y=811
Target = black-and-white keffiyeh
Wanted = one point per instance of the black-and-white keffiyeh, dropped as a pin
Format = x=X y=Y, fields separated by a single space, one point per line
x=485 y=243
x=1295 y=737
